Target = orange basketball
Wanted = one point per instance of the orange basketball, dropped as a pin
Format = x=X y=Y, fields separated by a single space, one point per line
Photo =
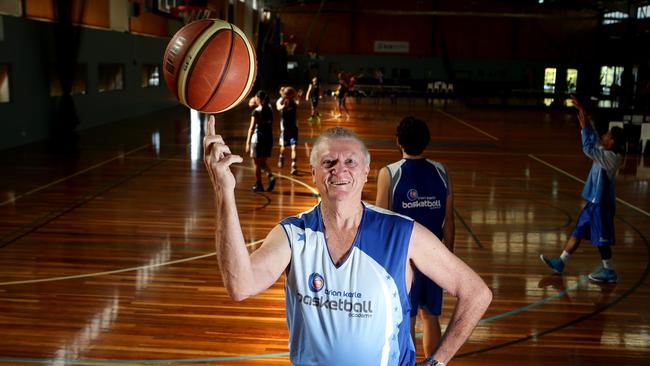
x=210 y=65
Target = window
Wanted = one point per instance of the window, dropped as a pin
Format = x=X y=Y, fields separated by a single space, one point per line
x=643 y=12
x=4 y=84
x=571 y=80
x=549 y=80
x=610 y=79
x=78 y=80
x=110 y=77
x=150 y=76
x=614 y=17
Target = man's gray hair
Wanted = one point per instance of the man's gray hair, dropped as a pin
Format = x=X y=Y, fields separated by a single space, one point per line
x=336 y=133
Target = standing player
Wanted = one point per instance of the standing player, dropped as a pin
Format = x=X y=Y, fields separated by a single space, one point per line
x=342 y=92
x=421 y=189
x=313 y=96
x=596 y=221
x=259 y=141
x=288 y=106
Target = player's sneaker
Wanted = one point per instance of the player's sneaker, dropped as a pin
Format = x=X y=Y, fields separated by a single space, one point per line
x=269 y=188
x=258 y=187
x=555 y=264
x=603 y=274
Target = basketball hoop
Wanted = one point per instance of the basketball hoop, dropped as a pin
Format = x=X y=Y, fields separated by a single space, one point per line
x=190 y=13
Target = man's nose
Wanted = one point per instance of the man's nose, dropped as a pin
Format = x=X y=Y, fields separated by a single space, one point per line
x=337 y=167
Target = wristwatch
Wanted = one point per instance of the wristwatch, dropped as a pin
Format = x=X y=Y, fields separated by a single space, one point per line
x=433 y=362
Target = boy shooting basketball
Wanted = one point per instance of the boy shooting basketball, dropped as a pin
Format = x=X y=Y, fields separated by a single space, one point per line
x=596 y=221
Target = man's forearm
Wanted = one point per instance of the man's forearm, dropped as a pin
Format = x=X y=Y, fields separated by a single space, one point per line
x=234 y=259
x=469 y=310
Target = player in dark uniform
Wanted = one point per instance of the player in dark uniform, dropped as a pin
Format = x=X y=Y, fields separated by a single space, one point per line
x=313 y=95
x=288 y=107
x=259 y=141
x=341 y=93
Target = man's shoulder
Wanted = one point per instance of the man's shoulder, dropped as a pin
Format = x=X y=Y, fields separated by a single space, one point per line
x=382 y=213
x=305 y=219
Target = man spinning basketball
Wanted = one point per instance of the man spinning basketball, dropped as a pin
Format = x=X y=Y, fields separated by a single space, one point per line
x=348 y=264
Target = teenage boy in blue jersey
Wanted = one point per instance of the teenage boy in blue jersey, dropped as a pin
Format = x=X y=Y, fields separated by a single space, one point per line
x=596 y=221
x=348 y=265
x=420 y=189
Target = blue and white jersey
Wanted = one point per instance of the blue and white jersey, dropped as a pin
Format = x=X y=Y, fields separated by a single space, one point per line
x=356 y=313
x=418 y=189
x=599 y=188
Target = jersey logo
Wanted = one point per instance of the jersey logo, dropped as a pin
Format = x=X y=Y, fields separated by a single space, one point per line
x=412 y=194
x=316 y=282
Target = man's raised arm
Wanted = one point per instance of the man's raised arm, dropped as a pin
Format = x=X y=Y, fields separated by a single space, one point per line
x=244 y=275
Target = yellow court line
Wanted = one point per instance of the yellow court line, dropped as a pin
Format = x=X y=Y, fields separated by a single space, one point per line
x=310 y=188
x=583 y=182
x=467 y=124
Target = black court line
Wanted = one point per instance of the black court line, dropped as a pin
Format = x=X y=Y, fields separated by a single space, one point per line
x=27 y=229
x=469 y=229
x=584 y=317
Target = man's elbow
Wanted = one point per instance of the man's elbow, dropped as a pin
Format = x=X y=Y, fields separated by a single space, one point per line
x=238 y=297
x=484 y=296
x=237 y=293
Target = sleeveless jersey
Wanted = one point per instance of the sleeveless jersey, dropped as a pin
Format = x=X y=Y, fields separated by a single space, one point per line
x=418 y=189
x=263 y=132
x=315 y=93
x=356 y=313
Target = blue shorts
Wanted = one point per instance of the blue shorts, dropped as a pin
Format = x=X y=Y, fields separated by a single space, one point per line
x=596 y=223
x=425 y=294
x=288 y=137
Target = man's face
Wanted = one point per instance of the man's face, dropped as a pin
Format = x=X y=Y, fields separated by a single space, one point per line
x=341 y=169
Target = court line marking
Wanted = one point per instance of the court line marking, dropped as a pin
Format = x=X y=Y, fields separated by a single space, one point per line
x=119 y=156
x=468 y=228
x=467 y=124
x=583 y=281
x=541 y=161
x=97 y=274
x=105 y=361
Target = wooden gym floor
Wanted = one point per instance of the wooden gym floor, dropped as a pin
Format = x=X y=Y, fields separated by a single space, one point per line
x=107 y=253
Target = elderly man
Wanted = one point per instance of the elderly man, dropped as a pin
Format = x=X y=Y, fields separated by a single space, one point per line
x=348 y=265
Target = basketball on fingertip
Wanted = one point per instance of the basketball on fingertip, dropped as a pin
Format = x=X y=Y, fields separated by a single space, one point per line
x=210 y=65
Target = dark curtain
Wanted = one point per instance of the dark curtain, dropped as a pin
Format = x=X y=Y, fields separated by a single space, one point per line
x=67 y=39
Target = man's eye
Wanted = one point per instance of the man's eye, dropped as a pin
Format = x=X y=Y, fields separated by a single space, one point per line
x=350 y=162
